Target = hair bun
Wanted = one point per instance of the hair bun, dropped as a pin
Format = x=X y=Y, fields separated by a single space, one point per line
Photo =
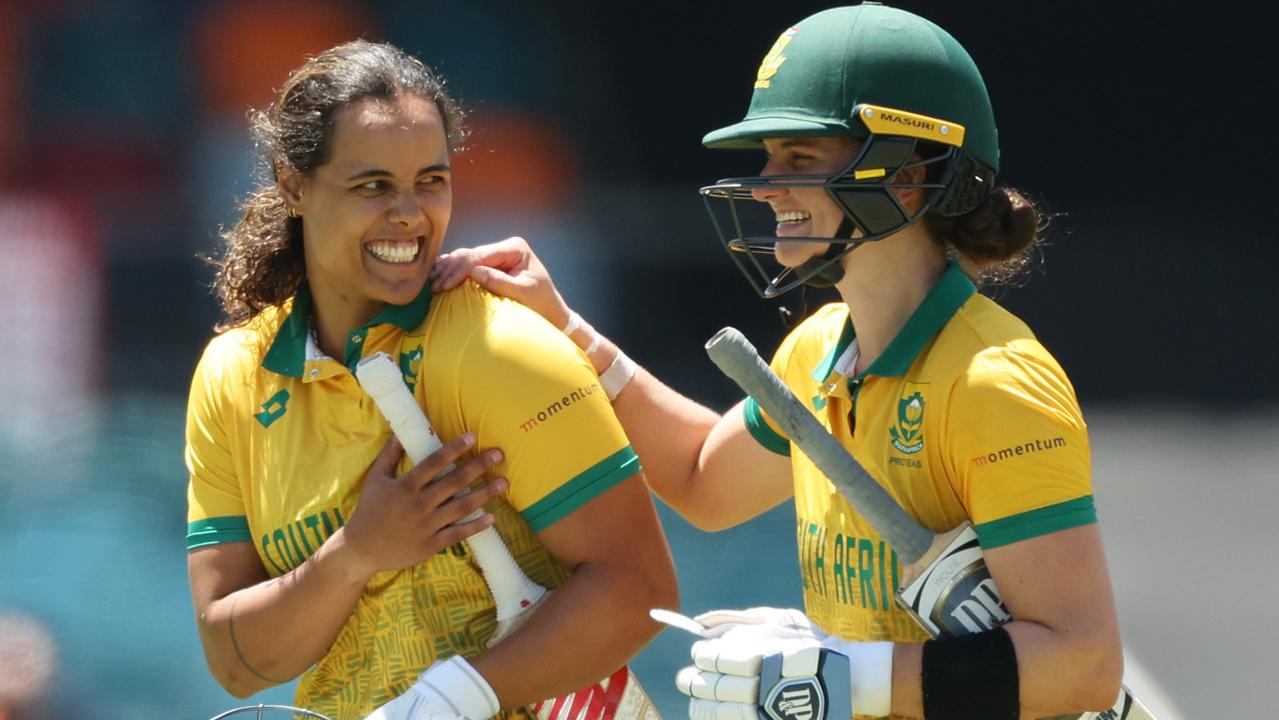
x=997 y=240
x=1002 y=227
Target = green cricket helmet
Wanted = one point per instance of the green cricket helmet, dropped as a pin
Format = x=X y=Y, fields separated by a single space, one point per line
x=890 y=78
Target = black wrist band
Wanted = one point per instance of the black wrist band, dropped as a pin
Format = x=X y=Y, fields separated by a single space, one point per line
x=973 y=677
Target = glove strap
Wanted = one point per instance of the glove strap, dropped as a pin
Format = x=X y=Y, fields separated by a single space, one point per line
x=808 y=684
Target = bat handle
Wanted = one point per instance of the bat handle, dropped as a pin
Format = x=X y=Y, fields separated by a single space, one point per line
x=737 y=358
x=514 y=593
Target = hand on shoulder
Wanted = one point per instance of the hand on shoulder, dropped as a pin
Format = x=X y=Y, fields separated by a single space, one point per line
x=508 y=268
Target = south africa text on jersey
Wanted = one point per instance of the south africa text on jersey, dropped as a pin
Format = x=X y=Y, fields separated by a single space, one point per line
x=856 y=571
x=285 y=548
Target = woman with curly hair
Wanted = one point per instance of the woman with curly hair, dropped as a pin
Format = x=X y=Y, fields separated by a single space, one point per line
x=315 y=549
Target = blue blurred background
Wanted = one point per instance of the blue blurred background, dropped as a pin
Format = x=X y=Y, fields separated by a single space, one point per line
x=123 y=147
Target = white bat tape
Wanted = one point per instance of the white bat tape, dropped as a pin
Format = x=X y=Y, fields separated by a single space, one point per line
x=513 y=591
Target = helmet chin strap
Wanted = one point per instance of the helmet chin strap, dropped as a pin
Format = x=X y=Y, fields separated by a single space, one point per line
x=825 y=269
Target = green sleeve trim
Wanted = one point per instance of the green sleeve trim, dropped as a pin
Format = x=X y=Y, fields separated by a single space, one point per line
x=762 y=431
x=582 y=489
x=218 y=531
x=1033 y=523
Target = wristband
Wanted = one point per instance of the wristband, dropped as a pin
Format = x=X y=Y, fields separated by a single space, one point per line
x=972 y=676
x=454 y=684
x=618 y=374
x=574 y=322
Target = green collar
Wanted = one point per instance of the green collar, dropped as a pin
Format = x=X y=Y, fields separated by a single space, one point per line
x=287 y=354
x=952 y=290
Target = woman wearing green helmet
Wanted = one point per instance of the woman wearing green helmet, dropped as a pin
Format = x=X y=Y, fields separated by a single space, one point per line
x=882 y=155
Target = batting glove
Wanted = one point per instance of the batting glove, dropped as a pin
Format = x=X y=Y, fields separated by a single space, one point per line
x=779 y=664
x=448 y=690
x=718 y=622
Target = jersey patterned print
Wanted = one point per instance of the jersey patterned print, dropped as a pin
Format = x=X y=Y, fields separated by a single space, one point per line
x=279 y=438
x=964 y=416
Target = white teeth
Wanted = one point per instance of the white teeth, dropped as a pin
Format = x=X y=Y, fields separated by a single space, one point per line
x=395 y=252
x=794 y=216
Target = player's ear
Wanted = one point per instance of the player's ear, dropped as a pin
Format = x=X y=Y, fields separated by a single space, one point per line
x=911 y=197
x=290 y=184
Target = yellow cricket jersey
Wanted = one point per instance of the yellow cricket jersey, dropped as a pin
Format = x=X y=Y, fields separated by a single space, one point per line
x=965 y=416
x=279 y=438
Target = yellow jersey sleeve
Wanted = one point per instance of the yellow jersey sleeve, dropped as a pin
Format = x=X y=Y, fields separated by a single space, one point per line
x=1018 y=446
x=524 y=387
x=215 y=507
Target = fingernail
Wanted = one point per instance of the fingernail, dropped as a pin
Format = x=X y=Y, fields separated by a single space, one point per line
x=494 y=456
x=501 y=484
x=469 y=438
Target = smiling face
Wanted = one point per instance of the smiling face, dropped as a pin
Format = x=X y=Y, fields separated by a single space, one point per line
x=804 y=211
x=374 y=215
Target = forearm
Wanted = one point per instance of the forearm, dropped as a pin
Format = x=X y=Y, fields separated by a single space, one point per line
x=668 y=432
x=667 y=429
x=1065 y=671
x=586 y=629
x=1059 y=672
x=269 y=633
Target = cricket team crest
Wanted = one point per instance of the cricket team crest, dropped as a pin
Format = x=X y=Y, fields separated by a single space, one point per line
x=410 y=362
x=773 y=60
x=908 y=433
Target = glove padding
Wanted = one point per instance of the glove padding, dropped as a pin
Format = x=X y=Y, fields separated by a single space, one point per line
x=778 y=662
x=448 y=690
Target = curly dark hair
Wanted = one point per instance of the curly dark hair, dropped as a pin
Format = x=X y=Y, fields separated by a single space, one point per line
x=263 y=264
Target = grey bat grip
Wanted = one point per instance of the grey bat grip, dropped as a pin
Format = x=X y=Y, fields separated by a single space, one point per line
x=737 y=358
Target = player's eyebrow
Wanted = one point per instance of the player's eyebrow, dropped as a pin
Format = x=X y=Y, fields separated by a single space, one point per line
x=791 y=144
x=378 y=172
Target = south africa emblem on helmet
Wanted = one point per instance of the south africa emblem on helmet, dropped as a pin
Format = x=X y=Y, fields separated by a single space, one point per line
x=773 y=60
x=908 y=433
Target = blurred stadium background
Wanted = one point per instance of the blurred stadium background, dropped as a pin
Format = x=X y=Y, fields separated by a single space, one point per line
x=123 y=147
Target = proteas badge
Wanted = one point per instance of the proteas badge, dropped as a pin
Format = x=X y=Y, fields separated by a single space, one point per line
x=908 y=432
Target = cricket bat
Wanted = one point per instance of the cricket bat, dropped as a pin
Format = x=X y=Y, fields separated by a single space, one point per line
x=946 y=586
x=617 y=697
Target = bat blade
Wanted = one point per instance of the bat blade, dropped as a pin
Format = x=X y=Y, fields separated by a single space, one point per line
x=951 y=592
